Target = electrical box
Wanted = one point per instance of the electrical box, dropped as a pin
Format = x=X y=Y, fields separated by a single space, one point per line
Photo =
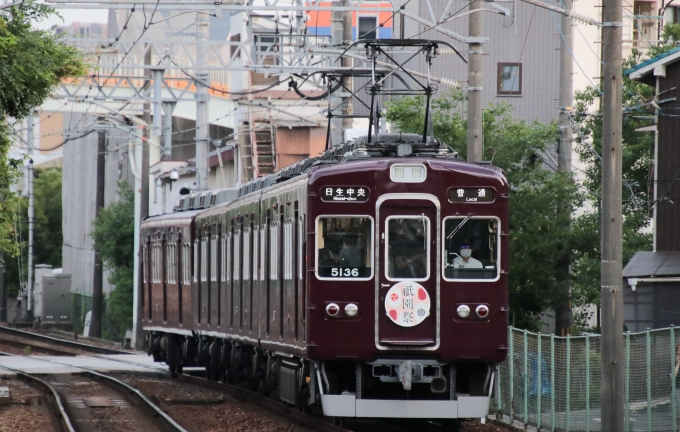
x=57 y=302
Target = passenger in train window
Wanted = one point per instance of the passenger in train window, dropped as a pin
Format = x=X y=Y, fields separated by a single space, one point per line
x=349 y=256
x=465 y=259
x=407 y=249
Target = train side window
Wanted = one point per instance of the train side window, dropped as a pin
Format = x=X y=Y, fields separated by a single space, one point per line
x=186 y=263
x=204 y=261
x=263 y=251
x=256 y=252
x=471 y=248
x=274 y=253
x=246 y=253
x=407 y=254
x=196 y=260
x=145 y=269
x=344 y=247
x=225 y=257
x=213 y=258
x=300 y=240
x=170 y=258
x=288 y=250
x=237 y=255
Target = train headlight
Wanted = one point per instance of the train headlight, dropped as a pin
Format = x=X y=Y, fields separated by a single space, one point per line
x=463 y=311
x=482 y=311
x=332 y=309
x=351 y=309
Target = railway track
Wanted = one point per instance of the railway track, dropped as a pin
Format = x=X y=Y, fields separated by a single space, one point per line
x=147 y=397
x=50 y=340
x=90 y=401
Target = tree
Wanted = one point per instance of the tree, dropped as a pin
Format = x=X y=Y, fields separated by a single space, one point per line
x=48 y=238
x=638 y=158
x=539 y=226
x=114 y=237
x=32 y=62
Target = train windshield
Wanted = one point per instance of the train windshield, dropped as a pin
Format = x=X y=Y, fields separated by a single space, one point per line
x=407 y=252
x=344 y=247
x=471 y=248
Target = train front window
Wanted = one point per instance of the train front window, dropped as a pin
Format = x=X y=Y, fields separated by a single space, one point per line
x=344 y=247
x=407 y=251
x=471 y=248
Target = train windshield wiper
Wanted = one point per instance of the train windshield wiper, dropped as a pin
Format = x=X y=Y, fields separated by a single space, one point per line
x=455 y=230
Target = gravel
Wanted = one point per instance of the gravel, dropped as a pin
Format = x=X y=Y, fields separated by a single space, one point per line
x=230 y=416
x=19 y=416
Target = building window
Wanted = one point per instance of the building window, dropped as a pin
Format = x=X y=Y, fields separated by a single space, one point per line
x=368 y=27
x=509 y=79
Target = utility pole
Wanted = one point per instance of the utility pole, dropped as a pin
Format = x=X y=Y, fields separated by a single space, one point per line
x=98 y=279
x=474 y=125
x=337 y=37
x=611 y=244
x=563 y=310
x=28 y=304
x=142 y=159
x=347 y=81
x=202 y=99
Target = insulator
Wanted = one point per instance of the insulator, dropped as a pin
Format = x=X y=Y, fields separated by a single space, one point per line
x=448 y=82
x=582 y=17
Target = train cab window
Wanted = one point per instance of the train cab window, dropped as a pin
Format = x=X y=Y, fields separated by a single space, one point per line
x=344 y=248
x=407 y=252
x=471 y=248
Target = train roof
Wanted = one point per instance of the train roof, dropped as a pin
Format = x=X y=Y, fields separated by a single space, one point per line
x=177 y=218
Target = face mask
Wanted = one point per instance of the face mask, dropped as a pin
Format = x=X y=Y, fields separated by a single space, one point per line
x=465 y=253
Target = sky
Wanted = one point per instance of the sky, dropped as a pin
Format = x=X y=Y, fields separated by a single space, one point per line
x=72 y=15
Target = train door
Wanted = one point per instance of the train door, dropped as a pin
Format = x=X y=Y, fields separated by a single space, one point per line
x=408 y=275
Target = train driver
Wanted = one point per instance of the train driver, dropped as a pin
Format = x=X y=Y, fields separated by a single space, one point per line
x=465 y=260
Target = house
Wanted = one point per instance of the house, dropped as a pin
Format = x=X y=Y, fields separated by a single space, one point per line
x=652 y=279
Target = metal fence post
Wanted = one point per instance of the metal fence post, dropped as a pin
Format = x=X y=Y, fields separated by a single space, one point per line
x=673 y=377
x=649 y=380
x=587 y=383
x=626 y=427
x=511 y=366
x=568 y=410
x=552 y=382
x=539 y=387
x=526 y=380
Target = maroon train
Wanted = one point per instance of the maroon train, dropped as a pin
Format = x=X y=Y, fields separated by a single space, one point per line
x=371 y=281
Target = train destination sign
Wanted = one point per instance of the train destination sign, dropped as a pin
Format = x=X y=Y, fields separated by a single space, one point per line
x=345 y=193
x=471 y=195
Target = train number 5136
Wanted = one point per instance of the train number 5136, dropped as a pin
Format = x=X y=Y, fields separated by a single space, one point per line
x=345 y=272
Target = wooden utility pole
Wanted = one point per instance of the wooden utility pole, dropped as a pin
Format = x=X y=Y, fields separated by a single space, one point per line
x=474 y=125
x=611 y=247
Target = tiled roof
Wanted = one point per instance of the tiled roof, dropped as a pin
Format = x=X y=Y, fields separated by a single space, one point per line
x=650 y=61
x=644 y=264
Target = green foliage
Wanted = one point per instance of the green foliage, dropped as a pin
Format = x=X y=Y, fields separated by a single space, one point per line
x=541 y=200
x=113 y=236
x=637 y=157
x=32 y=61
x=48 y=217
x=48 y=228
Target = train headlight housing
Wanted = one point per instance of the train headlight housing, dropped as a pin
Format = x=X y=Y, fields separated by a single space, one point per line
x=332 y=309
x=482 y=311
x=351 y=309
x=463 y=311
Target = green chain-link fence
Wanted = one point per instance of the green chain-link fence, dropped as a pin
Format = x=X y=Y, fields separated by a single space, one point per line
x=553 y=383
x=82 y=304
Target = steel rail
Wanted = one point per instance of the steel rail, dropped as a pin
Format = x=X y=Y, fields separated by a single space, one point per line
x=157 y=416
x=60 y=342
x=265 y=402
x=164 y=421
x=57 y=406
